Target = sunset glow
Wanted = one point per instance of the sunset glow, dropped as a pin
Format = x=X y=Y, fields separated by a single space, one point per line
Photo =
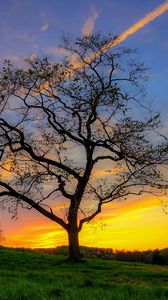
x=122 y=225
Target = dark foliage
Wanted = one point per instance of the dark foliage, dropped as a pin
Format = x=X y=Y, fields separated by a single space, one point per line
x=1 y=235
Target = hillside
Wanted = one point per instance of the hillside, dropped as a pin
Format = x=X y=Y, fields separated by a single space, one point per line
x=38 y=276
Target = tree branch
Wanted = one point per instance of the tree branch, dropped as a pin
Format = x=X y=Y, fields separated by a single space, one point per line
x=26 y=147
x=13 y=193
x=88 y=219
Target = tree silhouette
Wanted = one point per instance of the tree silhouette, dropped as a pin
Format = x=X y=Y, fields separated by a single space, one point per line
x=76 y=134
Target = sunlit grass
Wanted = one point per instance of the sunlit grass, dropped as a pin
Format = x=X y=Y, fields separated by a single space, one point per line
x=37 y=276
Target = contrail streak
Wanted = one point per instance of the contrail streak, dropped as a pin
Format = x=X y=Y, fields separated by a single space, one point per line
x=122 y=37
x=134 y=28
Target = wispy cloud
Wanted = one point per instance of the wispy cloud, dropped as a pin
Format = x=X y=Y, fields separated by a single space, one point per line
x=37 y=236
x=88 y=27
x=17 y=61
x=23 y=36
x=144 y=21
x=107 y=171
x=44 y=27
x=57 y=51
x=31 y=57
x=133 y=29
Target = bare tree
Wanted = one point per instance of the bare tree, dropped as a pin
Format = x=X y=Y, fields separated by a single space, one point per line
x=77 y=134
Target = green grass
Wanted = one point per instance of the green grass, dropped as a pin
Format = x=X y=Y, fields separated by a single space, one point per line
x=38 y=276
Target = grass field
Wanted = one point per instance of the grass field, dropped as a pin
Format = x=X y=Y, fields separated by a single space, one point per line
x=38 y=276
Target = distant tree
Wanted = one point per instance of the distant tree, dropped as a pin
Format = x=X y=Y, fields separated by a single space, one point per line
x=157 y=257
x=76 y=134
x=1 y=235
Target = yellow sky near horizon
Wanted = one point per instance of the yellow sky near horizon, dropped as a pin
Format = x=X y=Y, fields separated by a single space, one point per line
x=132 y=224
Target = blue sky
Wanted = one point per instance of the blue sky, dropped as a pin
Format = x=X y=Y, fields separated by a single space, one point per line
x=34 y=27
x=22 y=21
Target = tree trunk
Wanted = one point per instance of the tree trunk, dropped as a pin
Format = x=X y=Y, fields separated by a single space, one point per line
x=73 y=238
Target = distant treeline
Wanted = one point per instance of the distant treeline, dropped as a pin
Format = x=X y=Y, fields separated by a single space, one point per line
x=156 y=256
x=150 y=256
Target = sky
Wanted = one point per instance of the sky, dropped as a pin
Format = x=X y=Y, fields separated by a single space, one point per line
x=33 y=28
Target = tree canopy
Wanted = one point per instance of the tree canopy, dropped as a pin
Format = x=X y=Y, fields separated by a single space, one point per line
x=78 y=133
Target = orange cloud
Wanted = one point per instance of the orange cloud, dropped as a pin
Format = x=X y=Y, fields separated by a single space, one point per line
x=5 y=168
x=131 y=207
x=88 y=27
x=31 y=57
x=37 y=236
x=133 y=224
x=108 y=170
